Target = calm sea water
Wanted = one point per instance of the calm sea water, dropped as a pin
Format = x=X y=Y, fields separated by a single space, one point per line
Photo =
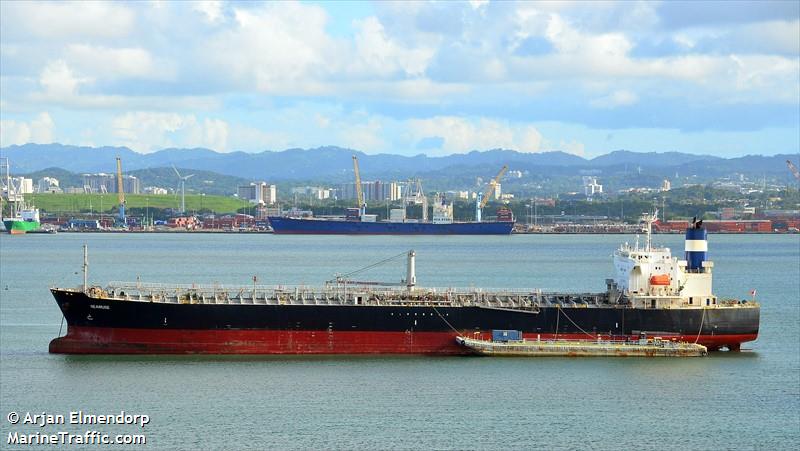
x=729 y=400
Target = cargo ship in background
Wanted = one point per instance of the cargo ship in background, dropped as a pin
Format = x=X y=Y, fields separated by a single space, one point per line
x=358 y=222
x=652 y=294
x=22 y=221
x=22 y=218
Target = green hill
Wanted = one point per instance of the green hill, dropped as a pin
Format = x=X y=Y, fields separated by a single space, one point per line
x=202 y=182
x=107 y=203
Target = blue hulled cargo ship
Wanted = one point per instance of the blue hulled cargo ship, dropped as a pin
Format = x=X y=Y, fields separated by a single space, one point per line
x=285 y=225
x=358 y=222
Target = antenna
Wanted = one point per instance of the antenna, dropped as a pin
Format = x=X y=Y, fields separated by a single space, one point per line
x=85 y=268
x=649 y=219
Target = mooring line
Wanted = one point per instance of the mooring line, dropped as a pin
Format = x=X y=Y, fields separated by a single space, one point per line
x=445 y=321
x=558 y=307
x=701 y=326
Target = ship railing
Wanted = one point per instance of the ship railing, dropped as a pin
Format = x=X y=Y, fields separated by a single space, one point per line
x=146 y=286
x=738 y=302
x=252 y=293
x=418 y=291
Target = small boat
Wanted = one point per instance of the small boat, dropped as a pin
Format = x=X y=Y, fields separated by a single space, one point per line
x=644 y=347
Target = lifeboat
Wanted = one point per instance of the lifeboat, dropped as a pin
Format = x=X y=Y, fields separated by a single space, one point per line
x=659 y=279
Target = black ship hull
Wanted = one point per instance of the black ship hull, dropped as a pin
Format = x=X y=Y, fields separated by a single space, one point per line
x=115 y=326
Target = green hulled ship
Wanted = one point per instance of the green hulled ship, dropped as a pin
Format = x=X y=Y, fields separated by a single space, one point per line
x=22 y=218
x=27 y=221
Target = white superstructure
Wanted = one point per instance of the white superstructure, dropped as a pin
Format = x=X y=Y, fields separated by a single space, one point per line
x=442 y=210
x=650 y=277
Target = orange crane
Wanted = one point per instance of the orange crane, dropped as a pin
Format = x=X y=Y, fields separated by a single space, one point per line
x=120 y=193
x=362 y=206
x=482 y=201
x=793 y=168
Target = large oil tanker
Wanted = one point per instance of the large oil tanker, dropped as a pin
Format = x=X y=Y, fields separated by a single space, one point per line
x=652 y=293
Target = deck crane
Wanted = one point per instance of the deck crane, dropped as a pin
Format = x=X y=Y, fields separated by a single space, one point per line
x=482 y=200
x=793 y=168
x=120 y=193
x=362 y=205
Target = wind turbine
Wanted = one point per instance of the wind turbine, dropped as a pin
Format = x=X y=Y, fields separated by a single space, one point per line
x=183 y=187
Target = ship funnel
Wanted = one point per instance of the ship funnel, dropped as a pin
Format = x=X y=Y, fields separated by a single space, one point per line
x=696 y=246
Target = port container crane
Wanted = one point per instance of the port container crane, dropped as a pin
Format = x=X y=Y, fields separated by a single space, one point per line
x=120 y=193
x=415 y=195
x=793 y=168
x=362 y=205
x=483 y=200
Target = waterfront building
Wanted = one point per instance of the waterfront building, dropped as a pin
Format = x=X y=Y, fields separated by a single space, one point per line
x=107 y=183
x=260 y=193
x=48 y=185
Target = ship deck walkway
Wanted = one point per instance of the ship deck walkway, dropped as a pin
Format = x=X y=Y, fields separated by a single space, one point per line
x=340 y=294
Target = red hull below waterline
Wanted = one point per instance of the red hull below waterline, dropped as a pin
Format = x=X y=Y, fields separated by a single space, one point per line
x=99 y=340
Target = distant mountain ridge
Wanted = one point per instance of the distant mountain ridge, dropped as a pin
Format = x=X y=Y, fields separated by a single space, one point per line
x=334 y=163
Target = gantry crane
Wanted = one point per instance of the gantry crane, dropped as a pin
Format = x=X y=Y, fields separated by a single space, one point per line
x=120 y=193
x=415 y=195
x=793 y=168
x=362 y=205
x=482 y=200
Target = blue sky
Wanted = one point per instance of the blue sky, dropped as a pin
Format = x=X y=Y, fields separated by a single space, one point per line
x=721 y=78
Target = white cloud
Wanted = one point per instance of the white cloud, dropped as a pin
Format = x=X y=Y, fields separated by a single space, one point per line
x=211 y=9
x=284 y=49
x=771 y=78
x=364 y=136
x=278 y=48
x=530 y=140
x=322 y=120
x=463 y=135
x=213 y=134
x=379 y=54
x=104 y=62
x=68 y=20
x=251 y=139
x=149 y=131
x=478 y=4
x=39 y=130
x=59 y=81
x=617 y=98
x=573 y=147
x=450 y=62
x=61 y=85
x=411 y=91
x=782 y=37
